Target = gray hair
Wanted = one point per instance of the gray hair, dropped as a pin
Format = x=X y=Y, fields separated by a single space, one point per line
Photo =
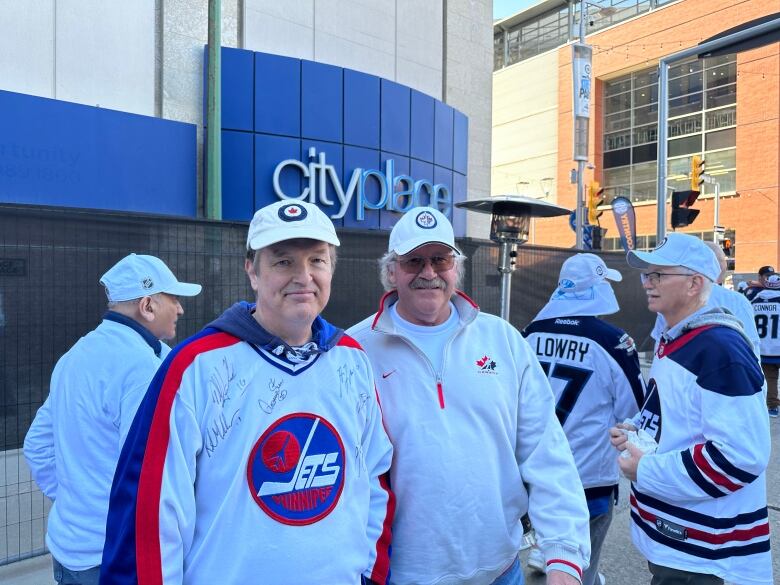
x=389 y=258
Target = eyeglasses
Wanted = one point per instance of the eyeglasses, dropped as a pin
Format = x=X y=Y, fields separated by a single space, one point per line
x=655 y=277
x=416 y=264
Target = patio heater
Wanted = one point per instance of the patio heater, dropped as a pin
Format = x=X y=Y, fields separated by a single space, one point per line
x=509 y=227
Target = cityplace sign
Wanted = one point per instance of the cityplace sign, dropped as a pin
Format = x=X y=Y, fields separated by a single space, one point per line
x=396 y=192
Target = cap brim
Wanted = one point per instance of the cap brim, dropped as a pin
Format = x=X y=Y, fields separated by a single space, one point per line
x=183 y=289
x=644 y=259
x=411 y=245
x=265 y=240
x=613 y=275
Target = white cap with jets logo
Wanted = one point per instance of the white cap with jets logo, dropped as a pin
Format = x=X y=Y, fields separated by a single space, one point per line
x=420 y=226
x=288 y=220
x=138 y=275
x=679 y=250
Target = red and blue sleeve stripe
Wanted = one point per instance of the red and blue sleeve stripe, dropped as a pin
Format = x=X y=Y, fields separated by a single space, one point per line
x=132 y=550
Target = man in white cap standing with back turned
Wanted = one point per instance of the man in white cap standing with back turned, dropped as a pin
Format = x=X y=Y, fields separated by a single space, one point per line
x=258 y=454
x=472 y=420
x=698 y=502
x=74 y=442
x=594 y=372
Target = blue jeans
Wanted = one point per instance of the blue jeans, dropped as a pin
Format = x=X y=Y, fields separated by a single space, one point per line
x=512 y=576
x=65 y=576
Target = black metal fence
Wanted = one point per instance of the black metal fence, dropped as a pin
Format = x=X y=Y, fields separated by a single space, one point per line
x=50 y=264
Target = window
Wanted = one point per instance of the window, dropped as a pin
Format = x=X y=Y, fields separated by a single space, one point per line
x=702 y=121
x=647 y=243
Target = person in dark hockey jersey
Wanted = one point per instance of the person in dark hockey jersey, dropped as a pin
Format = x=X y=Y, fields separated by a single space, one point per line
x=594 y=372
x=698 y=503
x=259 y=454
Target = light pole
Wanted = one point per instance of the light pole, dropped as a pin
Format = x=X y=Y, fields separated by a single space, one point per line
x=581 y=89
x=509 y=226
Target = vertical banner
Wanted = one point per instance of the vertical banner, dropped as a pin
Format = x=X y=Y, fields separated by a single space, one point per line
x=625 y=218
x=581 y=70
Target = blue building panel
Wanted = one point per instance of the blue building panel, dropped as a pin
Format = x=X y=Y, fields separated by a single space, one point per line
x=367 y=159
x=269 y=152
x=422 y=126
x=64 y=154
x=237 y=89
x=322 y=100
x=442 y=142
x=361 y=109
x=331 y=154
x=422 y=171
x=277 y=83
x=442 y=181
x=459 y=192
x=402 y=167
x=396 y=111
x=460 y=143
x=237 y=175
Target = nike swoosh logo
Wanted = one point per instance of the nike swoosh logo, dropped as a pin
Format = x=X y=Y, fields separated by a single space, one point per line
x=388 y=374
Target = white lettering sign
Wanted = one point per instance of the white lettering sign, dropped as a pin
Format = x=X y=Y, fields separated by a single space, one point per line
x=396 y=192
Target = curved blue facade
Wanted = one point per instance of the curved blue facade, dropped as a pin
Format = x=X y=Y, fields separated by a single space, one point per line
x=408 y=148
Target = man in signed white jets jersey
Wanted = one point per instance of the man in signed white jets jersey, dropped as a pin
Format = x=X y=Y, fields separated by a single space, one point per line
x=594 y=372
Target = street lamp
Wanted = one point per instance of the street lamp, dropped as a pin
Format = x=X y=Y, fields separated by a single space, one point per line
x=509 y=227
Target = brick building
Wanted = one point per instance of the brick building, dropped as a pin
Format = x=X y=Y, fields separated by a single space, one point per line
x=725 y=109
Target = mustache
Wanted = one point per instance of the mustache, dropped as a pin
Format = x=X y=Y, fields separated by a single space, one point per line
x=425 y=283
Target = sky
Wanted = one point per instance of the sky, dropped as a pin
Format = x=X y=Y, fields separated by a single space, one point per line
x=504 y=8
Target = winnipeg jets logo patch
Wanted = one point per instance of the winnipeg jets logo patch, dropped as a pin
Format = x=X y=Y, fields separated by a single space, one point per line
x=425 y=220
x=296 y=469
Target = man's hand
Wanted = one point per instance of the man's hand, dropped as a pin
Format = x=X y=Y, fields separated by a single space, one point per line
x=618 y=438
x=629 y=465
x=561 y=578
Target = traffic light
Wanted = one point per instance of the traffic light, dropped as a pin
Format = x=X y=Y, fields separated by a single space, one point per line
x=596 y=237
x=728 y=250
x=682 y=214
x=697 y=172
x=595 y=198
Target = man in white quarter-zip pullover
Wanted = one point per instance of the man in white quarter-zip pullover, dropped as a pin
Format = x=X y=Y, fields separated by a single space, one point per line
x=73 y=445
x=471 y=416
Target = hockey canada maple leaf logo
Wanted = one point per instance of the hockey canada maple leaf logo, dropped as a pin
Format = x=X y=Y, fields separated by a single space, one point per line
x=486 y=364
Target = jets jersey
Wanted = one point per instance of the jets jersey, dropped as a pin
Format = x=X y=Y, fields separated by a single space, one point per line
x=251 y=465
x=594 y=371
x=766 y=308
x=699 y=503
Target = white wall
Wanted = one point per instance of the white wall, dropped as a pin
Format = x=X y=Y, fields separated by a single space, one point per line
x=525 y=127
x=85 y=51
x=399 y=40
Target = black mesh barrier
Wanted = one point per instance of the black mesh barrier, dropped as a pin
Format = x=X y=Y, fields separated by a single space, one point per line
x=51 y=261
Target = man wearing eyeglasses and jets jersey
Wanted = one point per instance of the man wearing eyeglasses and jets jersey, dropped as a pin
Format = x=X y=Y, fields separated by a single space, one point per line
x=471 y=417
x=594 y=372
x=698 y=503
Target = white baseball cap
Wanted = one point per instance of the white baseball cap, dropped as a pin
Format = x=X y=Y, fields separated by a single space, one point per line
x=288 y=220
x=679 y=250
x=582 y=271
x=138 y=275
x=420 y=226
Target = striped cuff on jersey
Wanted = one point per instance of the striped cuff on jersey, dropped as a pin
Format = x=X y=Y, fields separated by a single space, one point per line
x=712 y=472
x=697 y=534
